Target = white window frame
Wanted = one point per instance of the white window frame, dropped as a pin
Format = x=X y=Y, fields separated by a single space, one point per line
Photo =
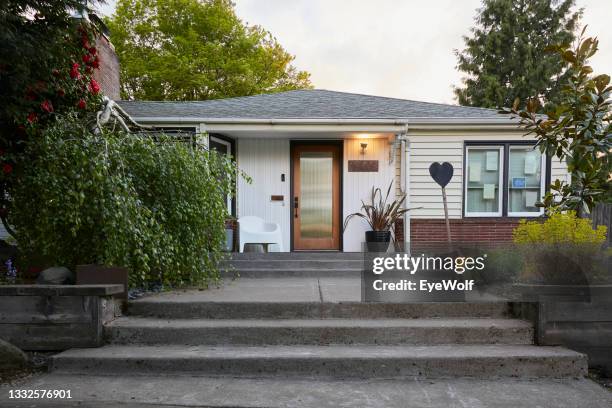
x=500 y=190
x=542 y=184
x=228 y=152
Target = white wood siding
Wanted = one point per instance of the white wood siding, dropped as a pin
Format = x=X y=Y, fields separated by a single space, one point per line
x=264 y=160
x=426 y=148
x=358 y=186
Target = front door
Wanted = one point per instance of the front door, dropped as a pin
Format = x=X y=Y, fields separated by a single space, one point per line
x=316 y=196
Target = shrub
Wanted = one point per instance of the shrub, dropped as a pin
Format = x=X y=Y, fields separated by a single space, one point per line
x=560 y=228
x=149 y=203
x=564 y=249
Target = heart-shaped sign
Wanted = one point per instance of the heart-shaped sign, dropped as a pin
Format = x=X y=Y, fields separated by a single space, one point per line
x=441 y=173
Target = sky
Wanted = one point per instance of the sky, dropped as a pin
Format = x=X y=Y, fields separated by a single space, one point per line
x=395 y=48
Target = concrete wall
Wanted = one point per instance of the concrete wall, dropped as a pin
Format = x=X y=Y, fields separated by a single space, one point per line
x=584 y=326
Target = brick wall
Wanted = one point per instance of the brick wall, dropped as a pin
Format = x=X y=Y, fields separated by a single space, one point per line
x=108 y=74
x=431 y=233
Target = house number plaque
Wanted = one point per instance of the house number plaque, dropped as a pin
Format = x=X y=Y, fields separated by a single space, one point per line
x=363 y=166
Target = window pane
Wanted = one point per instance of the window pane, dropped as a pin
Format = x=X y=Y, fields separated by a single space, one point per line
x=316 y=194
x=524 y=179
x=482 y=180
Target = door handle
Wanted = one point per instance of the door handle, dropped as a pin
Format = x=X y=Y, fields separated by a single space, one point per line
x=296 y=206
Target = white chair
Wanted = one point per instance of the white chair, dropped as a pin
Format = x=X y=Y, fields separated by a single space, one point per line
x=254 y=230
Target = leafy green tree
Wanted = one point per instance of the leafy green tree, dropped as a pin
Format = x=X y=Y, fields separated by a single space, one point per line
x=47 y=59
x=196 y=50
x=504 y=57
x=578 y=130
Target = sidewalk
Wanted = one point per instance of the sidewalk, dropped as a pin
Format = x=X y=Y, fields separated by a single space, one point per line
x=140 y=392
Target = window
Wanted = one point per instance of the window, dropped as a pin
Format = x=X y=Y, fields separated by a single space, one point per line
x=525 y=181
x=505 y=179
x=185 y=134
x=222 y=146
x=483 y=195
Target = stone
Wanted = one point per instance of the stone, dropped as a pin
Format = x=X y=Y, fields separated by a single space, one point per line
x=56 y=275
x=11 y=356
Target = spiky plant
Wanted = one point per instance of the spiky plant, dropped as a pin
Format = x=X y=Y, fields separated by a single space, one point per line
x=380 y=214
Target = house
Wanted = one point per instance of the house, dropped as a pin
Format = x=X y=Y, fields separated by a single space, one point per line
x=314 y=155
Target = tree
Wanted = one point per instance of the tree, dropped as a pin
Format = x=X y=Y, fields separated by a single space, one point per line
x=504 y=58
x=578 y=130
x=196 y=50
x=47 y=58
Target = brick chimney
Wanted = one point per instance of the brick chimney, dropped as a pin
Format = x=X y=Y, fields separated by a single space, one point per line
x=108 y=73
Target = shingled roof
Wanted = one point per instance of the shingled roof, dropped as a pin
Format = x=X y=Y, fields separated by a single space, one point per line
x=305 y=104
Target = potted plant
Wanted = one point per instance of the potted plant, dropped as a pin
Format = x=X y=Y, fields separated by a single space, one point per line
x=381 y=215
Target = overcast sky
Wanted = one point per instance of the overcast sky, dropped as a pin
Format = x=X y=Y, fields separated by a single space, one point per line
x=397 y=48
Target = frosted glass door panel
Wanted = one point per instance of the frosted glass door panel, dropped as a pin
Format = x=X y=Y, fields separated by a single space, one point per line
x=316 y=208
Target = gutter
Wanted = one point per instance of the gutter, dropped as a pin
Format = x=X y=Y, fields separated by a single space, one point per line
x=330 y=121
x=405 y=182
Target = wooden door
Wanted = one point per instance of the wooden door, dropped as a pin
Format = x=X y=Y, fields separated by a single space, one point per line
x=316 y=196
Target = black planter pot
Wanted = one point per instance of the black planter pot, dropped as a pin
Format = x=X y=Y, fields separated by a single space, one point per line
x=377 y=241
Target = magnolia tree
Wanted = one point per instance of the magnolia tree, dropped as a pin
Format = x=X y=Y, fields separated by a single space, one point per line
x=578 y=130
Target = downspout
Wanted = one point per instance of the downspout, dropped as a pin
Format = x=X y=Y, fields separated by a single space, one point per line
x=405 y=182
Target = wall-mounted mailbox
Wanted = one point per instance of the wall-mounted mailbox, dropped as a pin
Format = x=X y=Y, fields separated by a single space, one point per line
x=277 y=198
x=283 y=177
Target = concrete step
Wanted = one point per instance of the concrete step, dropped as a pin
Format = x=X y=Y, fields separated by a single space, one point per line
x=166 y=391
x=479 y=361
x=286 y=272
x=328 y=264
x=190 y=308
x=300 y=255
x=132 y=330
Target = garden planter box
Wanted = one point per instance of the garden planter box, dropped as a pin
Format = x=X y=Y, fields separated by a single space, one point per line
x=56 y=317
x=101 y=274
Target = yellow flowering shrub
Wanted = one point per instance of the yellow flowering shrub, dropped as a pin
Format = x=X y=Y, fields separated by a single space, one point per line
x=564 y=249
x=559 y=228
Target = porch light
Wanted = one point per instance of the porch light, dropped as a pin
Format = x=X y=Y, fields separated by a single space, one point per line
x=364 y=146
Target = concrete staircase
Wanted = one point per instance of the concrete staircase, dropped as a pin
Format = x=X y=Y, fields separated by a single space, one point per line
x=295 y=264
x=312 y=326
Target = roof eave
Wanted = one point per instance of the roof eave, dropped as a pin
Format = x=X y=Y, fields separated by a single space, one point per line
x=348 y=121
